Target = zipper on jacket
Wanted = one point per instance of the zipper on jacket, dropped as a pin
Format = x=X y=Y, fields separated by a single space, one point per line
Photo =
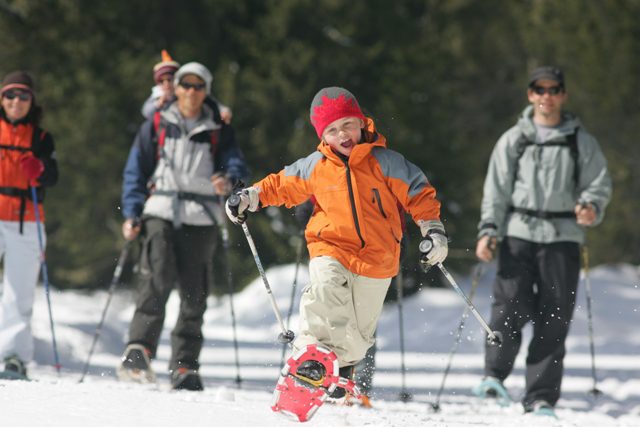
x=353 y=202
x=376 y=198
x=320 y=231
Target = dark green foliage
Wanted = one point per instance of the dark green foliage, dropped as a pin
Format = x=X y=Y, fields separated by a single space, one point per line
x=443 y=79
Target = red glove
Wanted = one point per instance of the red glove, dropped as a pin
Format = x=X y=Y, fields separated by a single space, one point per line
x=32 y=168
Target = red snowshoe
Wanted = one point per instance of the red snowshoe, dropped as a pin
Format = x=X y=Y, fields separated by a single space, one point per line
x=306 y=380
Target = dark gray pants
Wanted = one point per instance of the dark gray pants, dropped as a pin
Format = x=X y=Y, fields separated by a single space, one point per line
x=365 y=370
x=535 y=283
x=171 y=257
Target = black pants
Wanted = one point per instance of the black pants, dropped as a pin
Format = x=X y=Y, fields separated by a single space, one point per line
x=535 y=283
x=173 y=257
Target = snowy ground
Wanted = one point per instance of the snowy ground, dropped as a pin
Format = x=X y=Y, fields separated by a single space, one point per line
x=431 y=318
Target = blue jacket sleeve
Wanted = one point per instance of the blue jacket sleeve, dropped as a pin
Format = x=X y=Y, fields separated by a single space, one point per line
x=229 y=158
x=138 y=170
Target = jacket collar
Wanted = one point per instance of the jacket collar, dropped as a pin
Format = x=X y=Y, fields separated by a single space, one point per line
x=567 y=126
x=360 y=151
x=204 y=123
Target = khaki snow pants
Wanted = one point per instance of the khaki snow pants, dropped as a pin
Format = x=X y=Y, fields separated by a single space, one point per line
x=340 y=310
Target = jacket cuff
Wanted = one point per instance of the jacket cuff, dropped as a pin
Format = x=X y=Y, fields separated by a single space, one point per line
x=488 y=229
x=431 y=227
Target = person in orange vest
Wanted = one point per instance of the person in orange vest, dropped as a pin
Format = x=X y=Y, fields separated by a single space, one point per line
x=354 y=233
x=27 y=159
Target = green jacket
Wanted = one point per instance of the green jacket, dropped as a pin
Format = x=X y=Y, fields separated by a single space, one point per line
x=541 y=177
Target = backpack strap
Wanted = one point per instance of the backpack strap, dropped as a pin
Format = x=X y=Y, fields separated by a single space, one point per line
x=36 y=138
x=160 y=133
x=571 y=141
x=215 y=137
x=521 y=146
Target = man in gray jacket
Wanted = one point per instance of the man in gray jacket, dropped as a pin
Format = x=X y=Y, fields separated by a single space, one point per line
x=547 y=180
x=182 y=163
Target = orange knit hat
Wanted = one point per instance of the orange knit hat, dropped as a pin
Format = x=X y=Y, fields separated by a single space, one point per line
x=166 y=66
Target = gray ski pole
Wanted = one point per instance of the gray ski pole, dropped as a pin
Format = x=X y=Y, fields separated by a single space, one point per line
x=286 y=336
x=224 y=230
x=122 y=259
x=45 y=277
x=293 y=290
x=405 y=396
x=493 y=337
x=595 y=392
x=475 y=279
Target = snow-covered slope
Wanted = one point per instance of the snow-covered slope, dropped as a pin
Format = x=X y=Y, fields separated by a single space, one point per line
x=430 y=318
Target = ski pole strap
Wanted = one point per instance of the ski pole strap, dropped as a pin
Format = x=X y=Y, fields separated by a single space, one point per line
x=542 y=214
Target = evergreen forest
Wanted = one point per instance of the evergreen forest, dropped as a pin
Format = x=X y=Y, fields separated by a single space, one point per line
x=442 y=78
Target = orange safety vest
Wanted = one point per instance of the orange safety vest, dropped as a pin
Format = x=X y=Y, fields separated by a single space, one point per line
x=15 y=193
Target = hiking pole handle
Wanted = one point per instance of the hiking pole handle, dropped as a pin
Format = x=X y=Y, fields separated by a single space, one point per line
x=234 y=202
x=286 y=336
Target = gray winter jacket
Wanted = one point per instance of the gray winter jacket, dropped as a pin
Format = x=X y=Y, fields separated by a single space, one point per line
x=540 y=177
x=172 y=180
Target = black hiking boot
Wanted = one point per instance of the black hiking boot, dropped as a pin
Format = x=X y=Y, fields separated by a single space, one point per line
x=136 y=365
x=311 y=372
x=186 y=379
x=15 y=365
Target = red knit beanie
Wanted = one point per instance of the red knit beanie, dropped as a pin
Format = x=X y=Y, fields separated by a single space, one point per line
x=17 y=80
x=331 y=104
x=166 y=66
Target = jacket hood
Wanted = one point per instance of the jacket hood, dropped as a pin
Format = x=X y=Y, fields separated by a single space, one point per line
x=568 y=124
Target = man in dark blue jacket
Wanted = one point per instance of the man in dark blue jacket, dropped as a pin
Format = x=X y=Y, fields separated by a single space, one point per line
x=181 y=164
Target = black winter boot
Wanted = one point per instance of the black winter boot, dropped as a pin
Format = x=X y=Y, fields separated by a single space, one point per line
x=186 y=379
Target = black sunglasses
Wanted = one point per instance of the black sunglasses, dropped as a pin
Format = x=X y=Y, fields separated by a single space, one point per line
x=553 y=90
x=12 y=94
x=195 y=86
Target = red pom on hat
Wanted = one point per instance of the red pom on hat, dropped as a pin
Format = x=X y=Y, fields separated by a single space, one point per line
x=331 y=104
x=166 y=66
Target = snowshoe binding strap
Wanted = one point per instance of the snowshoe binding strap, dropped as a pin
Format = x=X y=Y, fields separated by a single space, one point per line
x=492 y=388
x=350 y=387
x=305 y=380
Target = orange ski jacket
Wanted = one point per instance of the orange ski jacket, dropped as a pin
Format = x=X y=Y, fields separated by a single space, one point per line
x=355 y=218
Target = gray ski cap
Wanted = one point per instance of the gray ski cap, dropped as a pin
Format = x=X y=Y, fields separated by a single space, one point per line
x=196 y=69
x=546 y=72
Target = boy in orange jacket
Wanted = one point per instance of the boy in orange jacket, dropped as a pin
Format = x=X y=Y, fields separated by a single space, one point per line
x=354 y=232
